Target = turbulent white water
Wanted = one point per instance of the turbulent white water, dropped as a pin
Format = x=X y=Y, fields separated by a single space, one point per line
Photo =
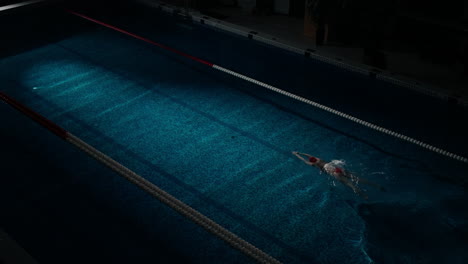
x=338 y=163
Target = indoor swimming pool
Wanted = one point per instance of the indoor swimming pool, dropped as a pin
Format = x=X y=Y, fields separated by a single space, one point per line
x=220 y=144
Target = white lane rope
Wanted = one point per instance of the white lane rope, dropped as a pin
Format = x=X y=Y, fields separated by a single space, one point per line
x=349 y=117
x=16 y=5
x=277 y=90
x=182 y=208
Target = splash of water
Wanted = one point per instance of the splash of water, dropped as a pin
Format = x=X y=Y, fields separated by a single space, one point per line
x=338 y=163
x=335 y=163
x=360 y=244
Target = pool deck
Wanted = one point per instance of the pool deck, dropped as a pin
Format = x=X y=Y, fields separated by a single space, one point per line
x=443 y=81
x=11 y=252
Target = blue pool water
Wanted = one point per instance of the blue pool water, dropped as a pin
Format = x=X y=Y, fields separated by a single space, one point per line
x=222 y=146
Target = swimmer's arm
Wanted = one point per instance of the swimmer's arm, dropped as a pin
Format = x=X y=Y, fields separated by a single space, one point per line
x=298 y=154
x=305 y=154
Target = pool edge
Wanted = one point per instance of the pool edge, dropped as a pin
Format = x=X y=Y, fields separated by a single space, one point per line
x=371 y=72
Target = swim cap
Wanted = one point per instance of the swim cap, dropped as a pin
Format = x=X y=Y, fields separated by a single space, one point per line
x=313 y=159
x=338 y=170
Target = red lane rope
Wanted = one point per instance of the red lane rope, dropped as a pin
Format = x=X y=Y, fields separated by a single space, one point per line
x=62 y=133
x=180 y=207
x=288 y=94
x=140 y=38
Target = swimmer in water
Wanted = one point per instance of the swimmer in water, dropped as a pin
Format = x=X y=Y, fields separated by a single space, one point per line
x=338 y=173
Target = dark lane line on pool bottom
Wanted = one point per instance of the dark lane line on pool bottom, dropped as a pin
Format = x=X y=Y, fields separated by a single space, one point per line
x=239 y=86
x=55 y=191
x=99 y=137
x=251 y=57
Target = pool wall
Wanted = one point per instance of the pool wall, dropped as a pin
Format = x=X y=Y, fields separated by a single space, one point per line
x=372 y=72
